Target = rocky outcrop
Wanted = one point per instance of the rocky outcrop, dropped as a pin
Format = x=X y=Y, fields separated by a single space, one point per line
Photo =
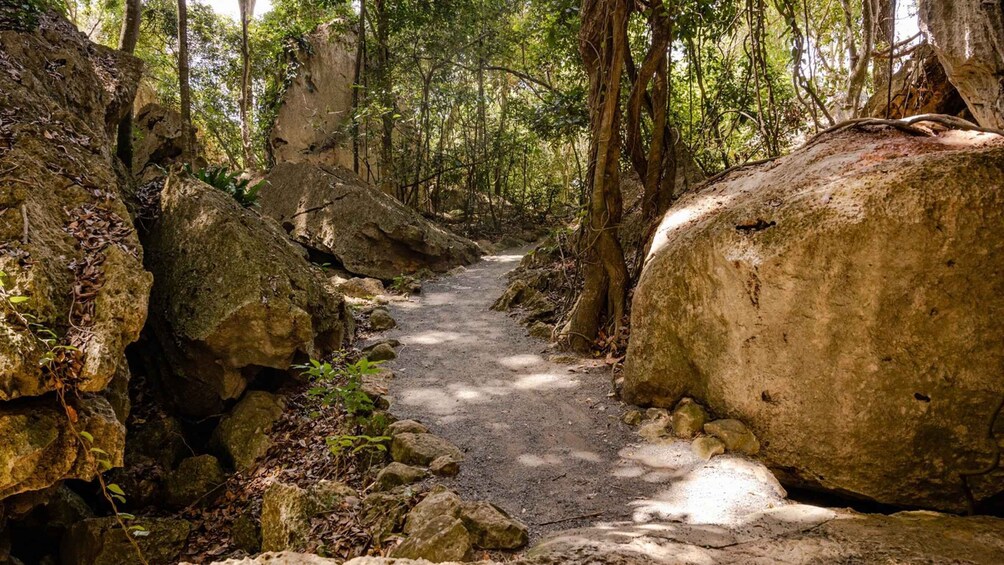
x=332 y=211
x=74 y=289
x=160 y=139
x=232 y=296
x=102 y=541
x=968 y=36
x=840 y=302
x=287 y=509
x=311 y=125
x=920 y=86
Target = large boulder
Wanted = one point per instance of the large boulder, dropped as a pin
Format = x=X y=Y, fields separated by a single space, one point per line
x=843 y=302
x=968 y=36
x=331 y=210
x=232 y=296
x=67 y=251
x=102 y=541
x=312 y=121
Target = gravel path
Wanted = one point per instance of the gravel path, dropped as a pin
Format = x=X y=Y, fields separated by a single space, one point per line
x=542 y=439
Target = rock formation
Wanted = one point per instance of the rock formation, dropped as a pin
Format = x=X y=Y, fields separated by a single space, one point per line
x=160 y=139
x=311 y=125
x=968 y=36
x=74 y=289
x=843 y=302
x=232 y=296
x=332 y=211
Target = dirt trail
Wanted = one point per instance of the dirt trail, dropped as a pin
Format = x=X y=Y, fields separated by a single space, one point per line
x=542 y=440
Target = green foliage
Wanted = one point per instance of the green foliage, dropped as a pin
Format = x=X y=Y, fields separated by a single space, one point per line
x=22 y=15
x=341 y=385
x=354 y=444
x=245 y=193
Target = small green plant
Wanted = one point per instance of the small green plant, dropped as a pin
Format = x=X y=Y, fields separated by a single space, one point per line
x=343 y=385
x=354 y=444
x=230 y=182
x=401 y=284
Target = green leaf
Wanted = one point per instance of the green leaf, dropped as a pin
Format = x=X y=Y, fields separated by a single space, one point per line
x=128 y=516
x=140 y=533
x=99 y=451
x=87 y=436
x=116 y=489
x=17 y=299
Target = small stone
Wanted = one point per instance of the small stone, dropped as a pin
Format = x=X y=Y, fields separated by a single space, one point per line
x=421 y=449
x=707 y=447
x=656 y=413
x=383 y=513
x=445 y=466
x=688 y=419
x=439 y=502
x=735 y=435
x=360 y=287
x=242 y=435
x=406 y=427
x=382 y=352
x=194 y=481
x=632 y=417
x=541 y=330
x=286 y=510
x=380 y=320
x=655 y=430
x=491 y=528
x=444 y=538
x=398 y=474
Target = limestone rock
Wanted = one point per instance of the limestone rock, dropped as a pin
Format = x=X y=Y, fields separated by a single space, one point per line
x=194 y=481
x=443 y=538
x=439 y=502
x=39 y=449
x=968 y=36
x=159 y=139
x=100 y=541
x=286 y=510
x=836 y=301
x=541 y=330
x=531 y=303
x=380 y=320
x=398 y=474
x=232 y=295
x=359 y=287
x=316 y=106
x=492 y=528
x=734 y=435
x=445 y=466
x=242 y=435
x=688 y=419
x=159 y=438
x=60 y=129
x=382 y=352
x=406 y=426
x=370 y=233
x=384 y=513
x=421 y=449
x=707 y=447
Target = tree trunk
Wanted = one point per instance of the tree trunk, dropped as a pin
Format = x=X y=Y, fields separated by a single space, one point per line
x=357 y=84
x=127 y=43
x=386 y=97
x=247 y=12
x=602 y=44
x=184 y=86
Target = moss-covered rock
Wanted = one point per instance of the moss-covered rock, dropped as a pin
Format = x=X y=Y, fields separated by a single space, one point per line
x=688 y=419
x=286 y=511
x=39 y=448
x=242 y=435
x=840 y=302
x=492 y=528
x=194 y=481
x=101 y=541
x=232 y=296
x=444 y=538
x=421 y=449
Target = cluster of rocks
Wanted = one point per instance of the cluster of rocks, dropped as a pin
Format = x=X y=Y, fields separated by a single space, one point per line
x=691 y=421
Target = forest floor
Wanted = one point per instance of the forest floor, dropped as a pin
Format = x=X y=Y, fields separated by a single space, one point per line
x=541 y=431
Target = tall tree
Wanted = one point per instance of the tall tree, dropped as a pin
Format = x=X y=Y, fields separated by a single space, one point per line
x=247 y=12
x=602 y=45
x=127 y=43
x=184 y=84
